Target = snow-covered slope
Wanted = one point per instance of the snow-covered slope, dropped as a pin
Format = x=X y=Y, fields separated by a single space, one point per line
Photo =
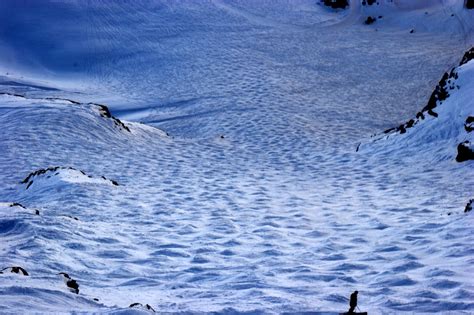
x=224 y=177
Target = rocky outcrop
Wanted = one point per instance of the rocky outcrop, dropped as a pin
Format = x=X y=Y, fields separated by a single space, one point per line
x=105 y=112
x=465 y=152
x=469 y=4
x=54 y=171
x=469 y=124
x=469 y=205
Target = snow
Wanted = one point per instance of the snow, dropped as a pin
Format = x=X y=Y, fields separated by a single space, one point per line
x=239 y=188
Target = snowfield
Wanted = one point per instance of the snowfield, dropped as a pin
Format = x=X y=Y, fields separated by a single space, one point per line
x=230 y=157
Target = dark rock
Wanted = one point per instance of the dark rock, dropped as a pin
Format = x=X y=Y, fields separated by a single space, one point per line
x=402 y=129
x=412 y=31
x=147 y=306
x=469 y=124
x=368 y=2
x=370 y=20
x=18 y=270
x=465 y=152
x=105 y=112
x=468 y=56
x=469 y=205
x=336 y=4
x=469 y=4
x=29 y=179
x=16 y=204
x=432 y=113
x=420 y=115
x=70 y=282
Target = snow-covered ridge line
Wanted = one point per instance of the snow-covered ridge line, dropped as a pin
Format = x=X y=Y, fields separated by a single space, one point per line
x=102 y=109
x=68 y=174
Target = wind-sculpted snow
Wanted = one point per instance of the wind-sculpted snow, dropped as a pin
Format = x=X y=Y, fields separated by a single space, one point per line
x=251 y=197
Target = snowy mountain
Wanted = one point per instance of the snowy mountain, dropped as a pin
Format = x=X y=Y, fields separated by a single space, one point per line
x=229 y=156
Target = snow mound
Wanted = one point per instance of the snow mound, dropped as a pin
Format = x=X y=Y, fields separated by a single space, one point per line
x=58 y=176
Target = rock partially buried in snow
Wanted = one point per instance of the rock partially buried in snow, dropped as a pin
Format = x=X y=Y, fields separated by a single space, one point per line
x=468 y=207
x=465 y=152
x=16 y=269
x=105 y=112
x=336 y=4
x=469 y=124
x=370 y=20
x=55 y=175
x=140 y=305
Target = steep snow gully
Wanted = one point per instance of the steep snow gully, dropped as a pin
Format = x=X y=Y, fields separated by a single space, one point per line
x=230 y=156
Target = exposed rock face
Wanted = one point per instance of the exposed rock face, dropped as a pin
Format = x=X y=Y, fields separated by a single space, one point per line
x=465 y=152
x=336 y=4
x=469 y=4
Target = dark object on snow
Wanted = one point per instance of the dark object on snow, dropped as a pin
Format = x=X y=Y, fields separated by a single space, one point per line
x=469 y=124
x=353 y=302
x=147 y=306
x=70 y=283
x=29 y=179
x=17 y=270
x=336 y=4
x=16 y=204
x=469 y=4
x=432 y=113
x=105 y=112
x=37 y=212
x=469 y=205
x=412 y=31
x=465 y=153
x=368 y=2
x=370 y=20
x=468 y=55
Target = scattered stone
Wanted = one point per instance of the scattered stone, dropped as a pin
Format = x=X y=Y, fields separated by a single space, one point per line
x=70 y=283
x=469 y=205
x=17 y=270
x=16 y=204
x=465 y=152
x=469 y=124
x=370 y=20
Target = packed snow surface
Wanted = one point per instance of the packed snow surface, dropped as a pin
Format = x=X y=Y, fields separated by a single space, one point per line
x=231 y=182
